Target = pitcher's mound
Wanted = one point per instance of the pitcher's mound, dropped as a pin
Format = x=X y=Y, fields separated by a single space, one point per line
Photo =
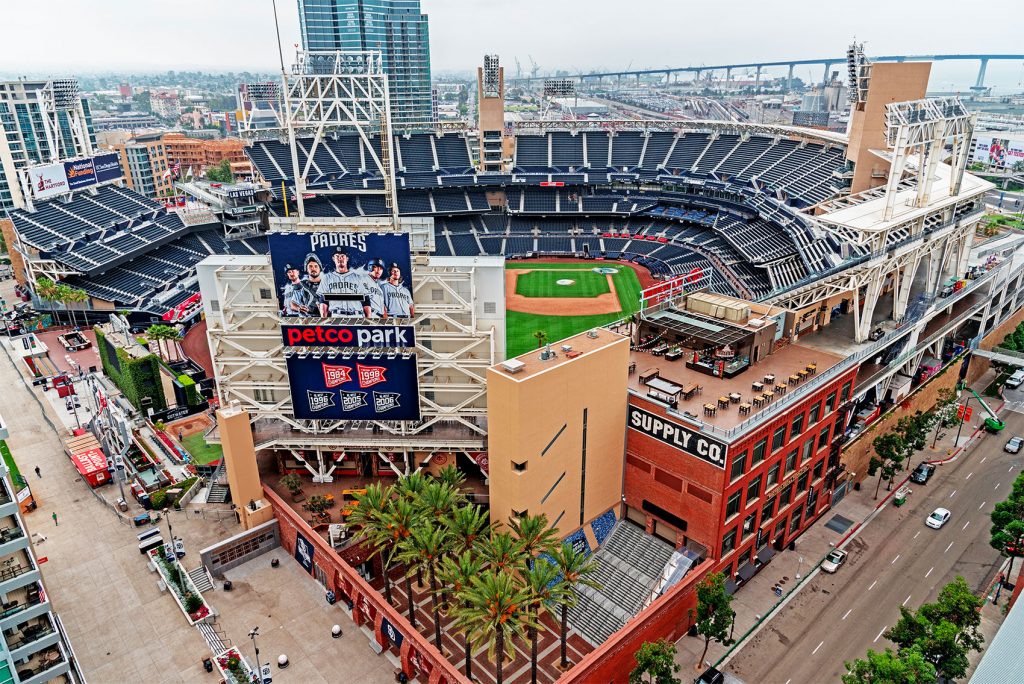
x=565 y=281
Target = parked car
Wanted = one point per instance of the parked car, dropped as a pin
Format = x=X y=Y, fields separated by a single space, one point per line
x=1014 y=445
x=938 y=518
x=72 y=402
x=1015 y=380
x=876 y=334
x=922 y=473
x=833 y=560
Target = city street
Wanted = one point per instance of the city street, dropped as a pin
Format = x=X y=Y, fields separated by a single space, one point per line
x=895 y=560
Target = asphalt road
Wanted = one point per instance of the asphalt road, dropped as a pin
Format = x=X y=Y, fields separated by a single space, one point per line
x=894 y=560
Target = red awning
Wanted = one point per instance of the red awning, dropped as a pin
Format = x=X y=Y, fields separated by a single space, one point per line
x=90 y=462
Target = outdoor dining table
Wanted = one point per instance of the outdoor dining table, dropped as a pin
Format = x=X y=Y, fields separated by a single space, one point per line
x=769 y=396
x=710 y=409
x=735 y=397
x=756 y=386
x=744 y=409
x=723 y=402
x=794 y=379
x=769 y=379
x=780 y=388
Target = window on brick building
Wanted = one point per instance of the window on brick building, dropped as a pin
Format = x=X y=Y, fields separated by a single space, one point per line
x=798 y=426
x=823 y=438
x=754 y=489
x=780 y=528
x=768 y=510
x=808 y=450
x=791 y=461
x=801 y=482
x=794 y=524
x=739 y=466
x=773 y=476
x=778 y=438
x=830 y=403
x=757 y=455
x=749 y=525
x=819 y=469
x=845 y=394
x=728 y=542
x=814 y=414
x=786 y=496
x=732 y=506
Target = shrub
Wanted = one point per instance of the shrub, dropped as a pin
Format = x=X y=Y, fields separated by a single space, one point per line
x=193 y=603
x=292 y=482
x=158 y=499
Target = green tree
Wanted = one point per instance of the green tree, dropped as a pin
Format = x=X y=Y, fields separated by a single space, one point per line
x=400 y=518
x=220 y=173
x=535 y=537
x=292 y=483
x=945 y=409
x=426 y=544
x=1007 y=532
x=655 y=664
x=496 y=613
x=889 y=452
x=47 y=291
x=501 y=551
x=468 y=524
x=162 y=333
x=370 y=516
x=914 y=430
x=545 y=591
x=541 y=336
x=458 y=572
x=575 y=568
x=944 y=632
x=713 y=615
x=887 y=667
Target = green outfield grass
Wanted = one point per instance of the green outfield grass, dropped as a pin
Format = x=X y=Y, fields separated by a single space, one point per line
x=544 y=283
x=519 y=327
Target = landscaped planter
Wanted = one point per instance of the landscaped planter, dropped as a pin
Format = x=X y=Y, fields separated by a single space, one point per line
x=168 y=573
x=234 y=668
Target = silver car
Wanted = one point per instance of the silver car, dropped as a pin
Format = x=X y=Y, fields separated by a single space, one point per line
x=938 y=518
x=833 y=560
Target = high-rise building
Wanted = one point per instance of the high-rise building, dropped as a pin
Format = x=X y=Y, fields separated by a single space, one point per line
x=41 y=122
x=490 y=93
x=144 y=163
x=397 y=28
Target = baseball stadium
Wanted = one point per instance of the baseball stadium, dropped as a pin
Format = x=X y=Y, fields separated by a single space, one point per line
x=624 y=326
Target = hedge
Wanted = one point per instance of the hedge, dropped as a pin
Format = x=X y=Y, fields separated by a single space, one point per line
x=136 y=378
x=192 y=397
x=159 y=498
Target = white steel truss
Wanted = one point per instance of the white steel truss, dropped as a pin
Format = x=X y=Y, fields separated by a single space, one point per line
x=327 y=91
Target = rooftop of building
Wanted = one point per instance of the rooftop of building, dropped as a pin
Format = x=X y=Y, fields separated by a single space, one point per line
x=533 y=363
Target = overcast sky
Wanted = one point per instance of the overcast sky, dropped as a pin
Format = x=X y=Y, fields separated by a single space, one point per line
x=136 y=35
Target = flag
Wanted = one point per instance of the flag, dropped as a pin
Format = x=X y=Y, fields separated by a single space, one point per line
x=167 y=173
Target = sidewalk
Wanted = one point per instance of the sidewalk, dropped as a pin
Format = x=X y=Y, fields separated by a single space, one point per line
x=756 y=599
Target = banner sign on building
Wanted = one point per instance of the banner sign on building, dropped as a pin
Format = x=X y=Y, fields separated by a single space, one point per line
x=107 y=167
x=304 y=552
x=997 y=153
x=48 y=181
x=342 y=273
x=390 y=633
x=80 y=174
x=348 y=335
x=358 y=387
x=684 y=439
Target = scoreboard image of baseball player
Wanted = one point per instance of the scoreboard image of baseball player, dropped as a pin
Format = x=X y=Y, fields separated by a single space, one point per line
x=342 y=274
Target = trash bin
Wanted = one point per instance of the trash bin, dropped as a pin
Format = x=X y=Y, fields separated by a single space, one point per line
x=899 y=500
x=122 y=505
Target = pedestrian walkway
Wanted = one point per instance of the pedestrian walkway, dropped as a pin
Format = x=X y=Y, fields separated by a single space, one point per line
x=757 y=598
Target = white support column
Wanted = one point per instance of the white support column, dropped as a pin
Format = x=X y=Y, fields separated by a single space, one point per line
x=871 y=294
x=899 y=159
x=926 y=175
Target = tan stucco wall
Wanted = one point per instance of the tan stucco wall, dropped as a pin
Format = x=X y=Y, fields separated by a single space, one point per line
x=524 y=415
x=240 y=461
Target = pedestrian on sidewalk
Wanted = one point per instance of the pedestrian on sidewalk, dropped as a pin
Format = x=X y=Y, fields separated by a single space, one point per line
x=38 y=473
x=57 y=524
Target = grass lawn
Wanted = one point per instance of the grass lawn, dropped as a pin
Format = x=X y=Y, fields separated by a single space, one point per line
x=201 y=452
x=519 y=327
x=545 y=284
x=16 y=476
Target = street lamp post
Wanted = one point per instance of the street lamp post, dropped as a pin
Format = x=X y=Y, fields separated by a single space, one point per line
x=258 y=674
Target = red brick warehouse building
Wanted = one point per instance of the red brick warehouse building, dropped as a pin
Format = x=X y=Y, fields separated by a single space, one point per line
x=762 y=462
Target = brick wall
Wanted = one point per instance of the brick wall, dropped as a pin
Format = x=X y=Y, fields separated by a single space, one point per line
x=17 y=261
x=666 y=618
x=369 y=607
x=1002 y=330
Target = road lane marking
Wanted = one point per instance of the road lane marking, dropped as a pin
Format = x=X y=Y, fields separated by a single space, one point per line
x=929 y=572
x=948 y=547
x=879 y=635
x=848 y=613
x=997 y=485
x=968 y=476
x=895 y=559
x=965 y=525
x=952 y=493
x=983 y=460
x=906 y=600
x=872 y=585
x=918 y=532
x=982 y=505
x=816 y=648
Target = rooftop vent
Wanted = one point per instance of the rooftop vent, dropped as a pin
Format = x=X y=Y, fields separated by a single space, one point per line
x=513 y=366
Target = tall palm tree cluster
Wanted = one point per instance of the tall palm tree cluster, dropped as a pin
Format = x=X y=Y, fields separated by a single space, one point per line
x=494 y=584
x=51 y=292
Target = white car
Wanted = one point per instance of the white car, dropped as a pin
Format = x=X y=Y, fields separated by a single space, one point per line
x=938 y=518
x=833 y=560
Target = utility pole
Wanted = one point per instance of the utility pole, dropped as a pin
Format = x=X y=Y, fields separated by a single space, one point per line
x=963 y=419
x=258 y=674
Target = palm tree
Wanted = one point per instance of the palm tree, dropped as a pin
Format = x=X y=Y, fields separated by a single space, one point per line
x=427 y=544
x=451 y=476
x=496 y=611
x=459 y=571
x=400 y=518
x=468 y=524
x=438 y=500
x=46 y=290
x=542 y=583
x=160 y=333
x=79 y=296
x=370 y=514
x=501 y=551
x=541 y=337
x=535 y=537
x=575 y=567
x=64 y=295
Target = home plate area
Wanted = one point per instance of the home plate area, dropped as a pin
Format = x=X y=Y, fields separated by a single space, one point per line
x=551 y=292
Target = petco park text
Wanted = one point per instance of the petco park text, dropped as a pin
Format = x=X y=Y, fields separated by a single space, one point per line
x=675 y=435
x=348 y=335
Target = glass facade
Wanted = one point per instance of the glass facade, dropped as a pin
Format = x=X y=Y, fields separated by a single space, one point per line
x=397 y=28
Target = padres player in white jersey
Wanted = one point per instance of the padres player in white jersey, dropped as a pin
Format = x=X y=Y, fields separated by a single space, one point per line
x=397 y=298
x=374 y=275
x=344 y=281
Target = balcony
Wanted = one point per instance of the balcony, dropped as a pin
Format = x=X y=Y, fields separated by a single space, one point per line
x=44 y=666
x=23 y=604
x=17 y=569
x=31 y=637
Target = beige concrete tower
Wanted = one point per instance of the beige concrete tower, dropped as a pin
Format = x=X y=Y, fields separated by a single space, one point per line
x=240 y=463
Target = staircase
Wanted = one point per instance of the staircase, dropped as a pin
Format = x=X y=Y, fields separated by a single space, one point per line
x=219 y=493
x=215 y=636
x=200 y=579
x=629 y=564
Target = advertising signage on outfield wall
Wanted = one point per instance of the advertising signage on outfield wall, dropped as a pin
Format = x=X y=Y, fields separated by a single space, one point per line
x=358 y=387
x=63 y=177
x=678 y=436
x=342 y=274
x=107 y=167
x=348 y=335
x=80 y=174
x=48 y=181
